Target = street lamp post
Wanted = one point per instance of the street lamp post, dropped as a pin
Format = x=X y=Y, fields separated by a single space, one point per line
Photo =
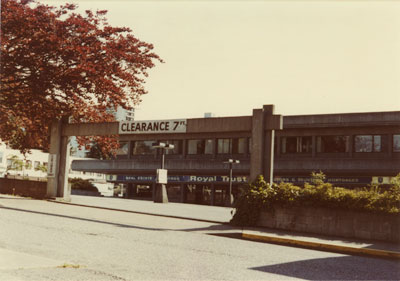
x=229 y=199
x=161 y=195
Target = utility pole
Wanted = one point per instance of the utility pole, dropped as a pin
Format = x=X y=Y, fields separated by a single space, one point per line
x=229 y=199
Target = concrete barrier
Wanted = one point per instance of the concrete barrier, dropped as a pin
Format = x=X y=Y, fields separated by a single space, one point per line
x=324 y=221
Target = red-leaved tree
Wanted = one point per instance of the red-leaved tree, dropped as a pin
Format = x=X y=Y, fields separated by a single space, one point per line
x=56 y=62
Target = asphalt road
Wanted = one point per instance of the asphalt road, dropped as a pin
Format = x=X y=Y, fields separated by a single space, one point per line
x=42 y=240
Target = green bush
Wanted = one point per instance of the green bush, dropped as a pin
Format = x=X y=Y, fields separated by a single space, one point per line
x=259 y=196
x=82 y=184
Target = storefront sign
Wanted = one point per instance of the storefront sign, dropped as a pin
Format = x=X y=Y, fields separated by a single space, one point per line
x=153 y=127
x=237 y=179
x=180 y=179
x=332 y=180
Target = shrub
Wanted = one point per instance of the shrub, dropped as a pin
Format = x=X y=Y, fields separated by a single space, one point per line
x=259 y=196
x=82 y=185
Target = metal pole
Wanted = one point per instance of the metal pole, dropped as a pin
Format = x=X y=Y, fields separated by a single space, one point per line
x=162 y=157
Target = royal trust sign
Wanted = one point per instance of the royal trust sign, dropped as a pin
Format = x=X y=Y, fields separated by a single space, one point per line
x=153 y=126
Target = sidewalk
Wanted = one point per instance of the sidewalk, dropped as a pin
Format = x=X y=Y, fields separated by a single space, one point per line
x=222 y=215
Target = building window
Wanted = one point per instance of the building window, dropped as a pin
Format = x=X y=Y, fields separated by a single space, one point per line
x=123 y=148
x=177 y=147
x=239 y=146
x=231 y=146
x=143 y=148
x=333 y=144
x=28 y=164
x=368 y=143
x=9 y=163
x=296 y=145
x=200 y=146
x=36 y=165
x=224 y=146
x=250 y=144
x=396 y=143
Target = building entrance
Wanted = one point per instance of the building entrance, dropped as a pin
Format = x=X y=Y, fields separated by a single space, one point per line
x=198 y=194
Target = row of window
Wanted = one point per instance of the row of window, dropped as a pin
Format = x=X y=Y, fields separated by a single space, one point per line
x=193 y=147
x=288 y=145
x=339 y=144
x=19 y=165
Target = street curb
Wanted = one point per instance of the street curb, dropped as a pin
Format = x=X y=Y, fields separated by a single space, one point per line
x=323 y=247
x=135 y=212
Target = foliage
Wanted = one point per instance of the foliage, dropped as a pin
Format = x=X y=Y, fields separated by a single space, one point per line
x=252 y=199
x=318 y=177
x=395 y=181
x=16 y=164
x=99 y=151
x=41 y=168
x=56 y=63
x=259 y=196
x=82 y=184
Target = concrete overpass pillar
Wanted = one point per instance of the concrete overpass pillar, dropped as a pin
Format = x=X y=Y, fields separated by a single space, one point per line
x=58 y=164
x=264 y=124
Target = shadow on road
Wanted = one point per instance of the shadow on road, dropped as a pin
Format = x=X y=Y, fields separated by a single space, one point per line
x=337 y=268
x=84 y=219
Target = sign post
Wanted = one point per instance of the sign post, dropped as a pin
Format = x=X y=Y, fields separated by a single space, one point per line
x=161 y=195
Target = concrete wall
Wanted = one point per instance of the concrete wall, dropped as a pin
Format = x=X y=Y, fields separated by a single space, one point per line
x=342 y=120
x=334 y=222
x=35 y=189
x=85 y=192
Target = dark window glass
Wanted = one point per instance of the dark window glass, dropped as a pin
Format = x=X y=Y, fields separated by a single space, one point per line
x=368 y=143
x=177 y=147
x=396 y=143
x=208 y=147
x=296 y=144
x=239 y=146
x=250 y=143
x=199 y=146
x=143 y=148
x=123 y=148
x=231 y=146
x=224 y=146
x=333 y=144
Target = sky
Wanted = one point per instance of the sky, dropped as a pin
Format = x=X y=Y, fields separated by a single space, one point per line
x=230 y=57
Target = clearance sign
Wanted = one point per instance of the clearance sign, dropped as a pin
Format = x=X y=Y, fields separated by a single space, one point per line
x=152 y=126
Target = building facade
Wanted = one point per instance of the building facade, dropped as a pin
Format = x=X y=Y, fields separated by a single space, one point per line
x=34 y=165
x=351 y=149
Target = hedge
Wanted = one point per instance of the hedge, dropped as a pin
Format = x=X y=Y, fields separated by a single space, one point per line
x=82 y=184
x=259 y=196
